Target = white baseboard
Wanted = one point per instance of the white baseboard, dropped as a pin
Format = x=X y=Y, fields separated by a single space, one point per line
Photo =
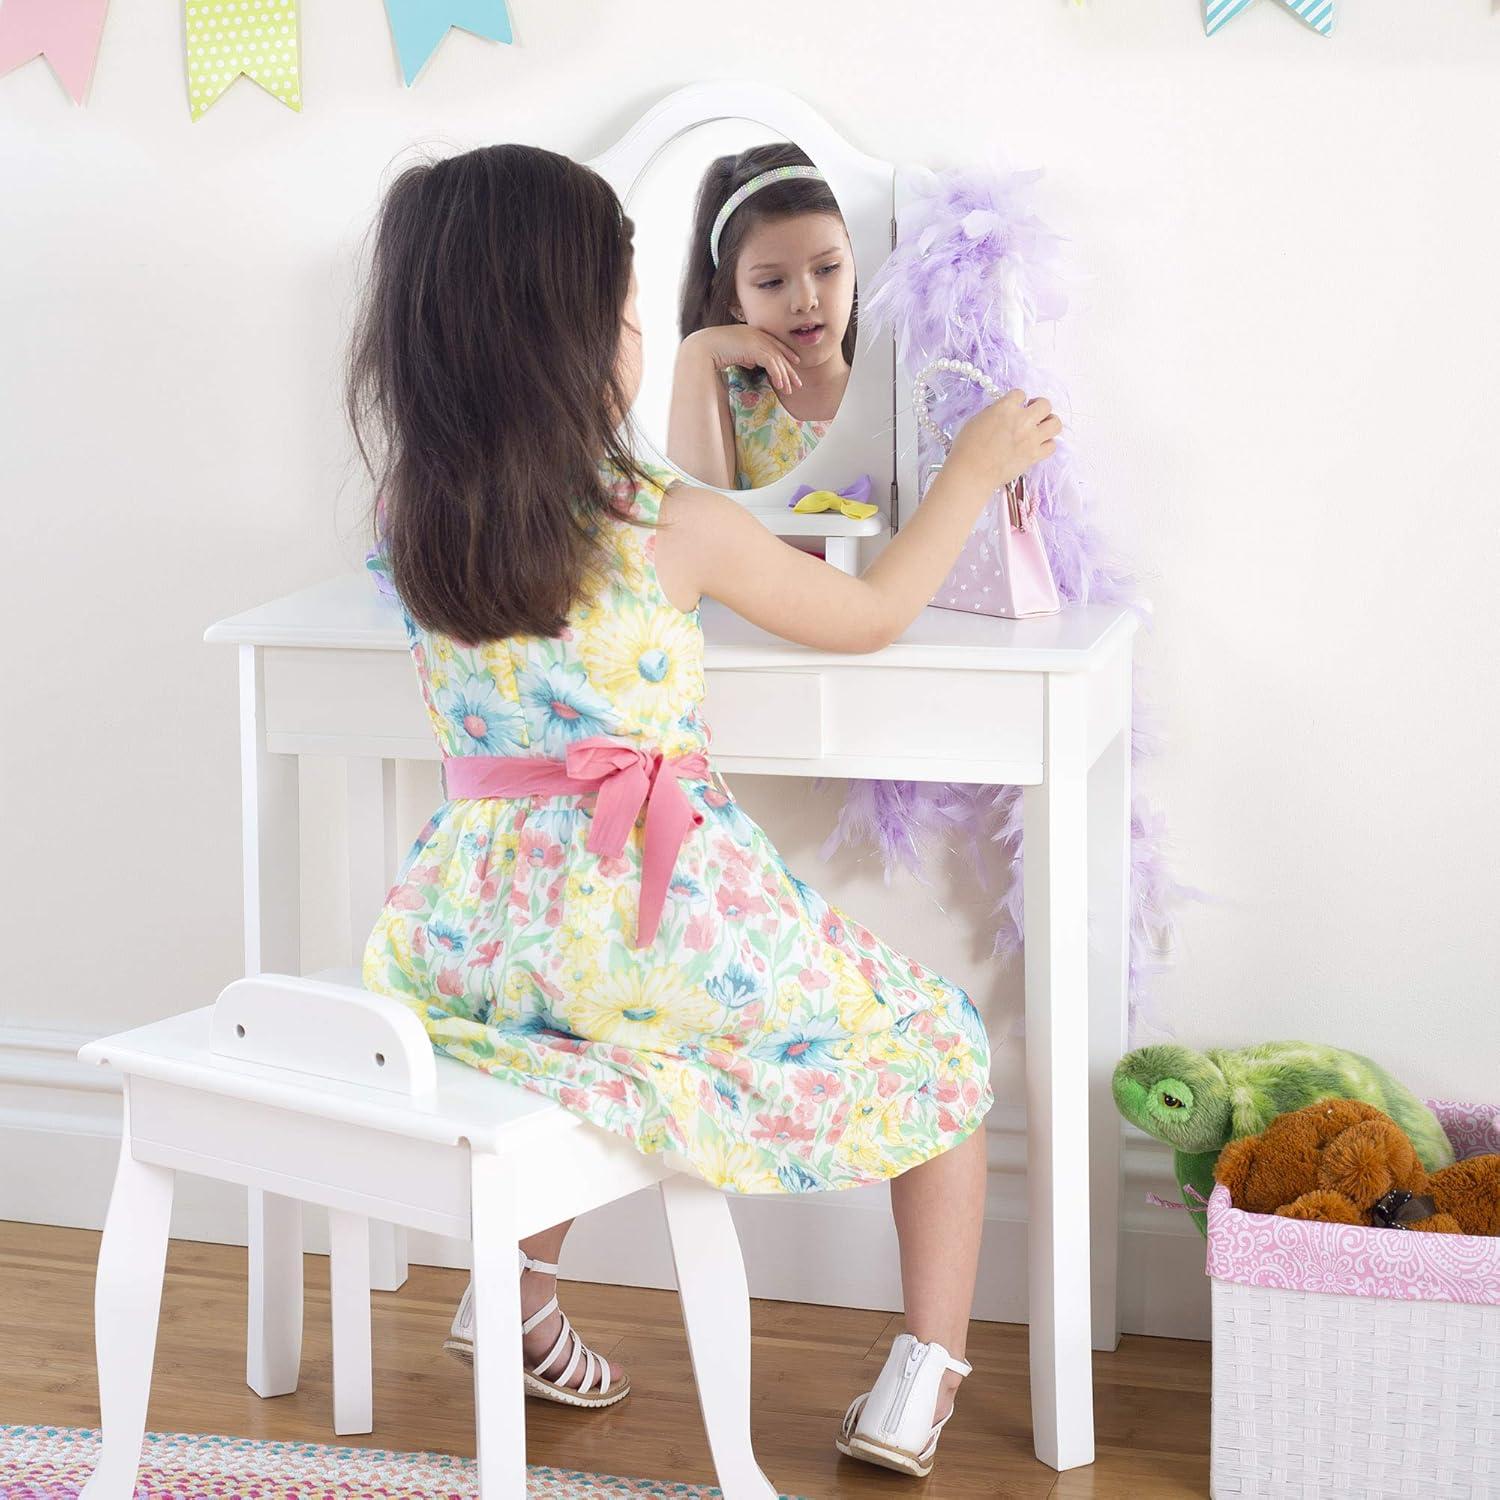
x=59 y=1137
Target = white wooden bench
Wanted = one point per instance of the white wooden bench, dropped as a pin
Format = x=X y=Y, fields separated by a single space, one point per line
x=309 y=1091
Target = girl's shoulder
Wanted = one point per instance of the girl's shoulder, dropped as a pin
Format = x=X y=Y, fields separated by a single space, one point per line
x=643 y=495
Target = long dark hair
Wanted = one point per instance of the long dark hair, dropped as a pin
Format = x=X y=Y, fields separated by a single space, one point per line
x=708 y=290
x=482 y=385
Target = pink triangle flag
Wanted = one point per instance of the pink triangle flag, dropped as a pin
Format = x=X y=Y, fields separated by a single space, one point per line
x=65 y=32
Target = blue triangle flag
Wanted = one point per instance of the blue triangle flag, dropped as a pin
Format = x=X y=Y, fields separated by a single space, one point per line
x=418 y=26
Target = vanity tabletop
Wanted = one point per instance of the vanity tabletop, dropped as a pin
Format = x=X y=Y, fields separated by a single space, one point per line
x=349 y=613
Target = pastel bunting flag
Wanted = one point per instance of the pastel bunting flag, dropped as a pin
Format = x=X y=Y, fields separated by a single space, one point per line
x=255 y=37
x=65 y=32
x=418 y=26
x=1317 y=13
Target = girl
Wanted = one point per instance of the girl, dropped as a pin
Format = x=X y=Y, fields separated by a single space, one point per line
x=767 y=320
x=676 y=983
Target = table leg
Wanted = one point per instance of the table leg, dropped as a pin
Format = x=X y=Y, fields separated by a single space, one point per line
x=370 y=802
x=269 y=821
x=1057 y=1081
x=272 y=864
x=1109 y=998
x=388 y=1262
x=842 y=552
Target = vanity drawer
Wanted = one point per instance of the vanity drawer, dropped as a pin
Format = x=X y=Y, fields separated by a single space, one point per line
x=893 y=723
x=848 y=719
x=345 y=702
x=937 y=715
x=764 y=714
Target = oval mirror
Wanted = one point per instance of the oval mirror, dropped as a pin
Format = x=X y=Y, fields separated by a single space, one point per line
x=747 y=298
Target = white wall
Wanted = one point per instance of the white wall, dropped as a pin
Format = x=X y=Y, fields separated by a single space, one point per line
x=1283 y=371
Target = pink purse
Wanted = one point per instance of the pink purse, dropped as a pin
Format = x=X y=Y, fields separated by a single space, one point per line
x=1003 y=568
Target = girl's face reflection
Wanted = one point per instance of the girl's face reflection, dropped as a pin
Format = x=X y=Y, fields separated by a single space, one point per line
x=794 y=279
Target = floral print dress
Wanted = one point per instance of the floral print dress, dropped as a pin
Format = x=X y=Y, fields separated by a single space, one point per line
x=768 y=440
x=763 y=1039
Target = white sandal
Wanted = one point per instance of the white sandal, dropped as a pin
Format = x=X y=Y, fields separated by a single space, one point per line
x=593 y=1390
x=892 y=1425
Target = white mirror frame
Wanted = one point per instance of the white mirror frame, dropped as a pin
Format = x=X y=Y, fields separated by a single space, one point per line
x=862 y=439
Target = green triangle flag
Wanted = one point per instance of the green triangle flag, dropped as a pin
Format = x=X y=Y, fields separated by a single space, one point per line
x=228 y=37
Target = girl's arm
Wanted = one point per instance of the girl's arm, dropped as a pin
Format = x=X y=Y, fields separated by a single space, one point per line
x=710 y=544
x=700 y=430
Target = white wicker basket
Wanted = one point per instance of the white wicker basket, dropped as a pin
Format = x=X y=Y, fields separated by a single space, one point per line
x=1359 y=1362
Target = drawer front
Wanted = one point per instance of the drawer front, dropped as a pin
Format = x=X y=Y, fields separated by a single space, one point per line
x=897 y=723
x=346 y=703
x=936 y=714
x=922 y=724
x=367 y=702
x=764 y=714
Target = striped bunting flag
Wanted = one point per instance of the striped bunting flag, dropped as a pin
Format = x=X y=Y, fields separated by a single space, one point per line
x=1317 y=13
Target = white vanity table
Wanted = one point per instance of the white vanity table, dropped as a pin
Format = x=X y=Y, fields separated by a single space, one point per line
x=1044 y=704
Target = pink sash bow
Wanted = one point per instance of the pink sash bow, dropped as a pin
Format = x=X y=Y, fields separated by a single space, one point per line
x=626 y=777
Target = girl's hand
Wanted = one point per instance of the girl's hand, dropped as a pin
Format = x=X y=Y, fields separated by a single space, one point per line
x=1003 y=440
x=750 y=348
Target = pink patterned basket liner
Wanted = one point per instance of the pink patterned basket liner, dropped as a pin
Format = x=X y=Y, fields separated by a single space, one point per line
x=1348 y=1260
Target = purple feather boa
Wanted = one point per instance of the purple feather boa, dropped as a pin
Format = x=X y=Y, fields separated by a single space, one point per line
x=969 y=244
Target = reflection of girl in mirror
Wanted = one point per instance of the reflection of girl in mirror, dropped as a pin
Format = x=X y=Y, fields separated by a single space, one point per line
x=767 y=320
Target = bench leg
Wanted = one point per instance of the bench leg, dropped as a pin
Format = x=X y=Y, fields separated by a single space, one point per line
x=127 y=1305
x=349 y=1295
x=716 y=1314
x=273 y=1335
x=499 y=1393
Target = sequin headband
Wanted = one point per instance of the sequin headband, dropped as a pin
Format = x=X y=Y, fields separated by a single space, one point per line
x=756 y=183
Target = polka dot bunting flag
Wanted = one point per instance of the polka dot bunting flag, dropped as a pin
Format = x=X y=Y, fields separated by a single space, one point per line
x=255 y=37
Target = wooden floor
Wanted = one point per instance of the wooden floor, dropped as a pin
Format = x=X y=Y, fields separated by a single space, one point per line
x=809 y=1362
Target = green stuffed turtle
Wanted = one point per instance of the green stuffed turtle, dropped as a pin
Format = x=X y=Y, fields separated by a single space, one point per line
x=1197 y=1102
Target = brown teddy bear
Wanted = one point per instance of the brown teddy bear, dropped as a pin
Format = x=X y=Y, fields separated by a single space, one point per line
x=1469 y=1191
x=1344 y=1162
